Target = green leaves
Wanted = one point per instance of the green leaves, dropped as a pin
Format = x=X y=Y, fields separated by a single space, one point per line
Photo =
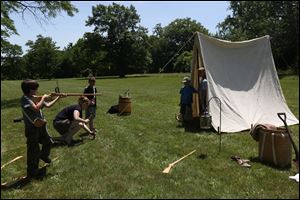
x=279 y=19
x=169 y=40
x=42 y=57
x=125 y=41
x=41 y=10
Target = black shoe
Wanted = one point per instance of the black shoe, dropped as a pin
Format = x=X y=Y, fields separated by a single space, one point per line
x=46 y=160
x=38 y=174
x=71 y=144
x=76 y=141
x=58 y=140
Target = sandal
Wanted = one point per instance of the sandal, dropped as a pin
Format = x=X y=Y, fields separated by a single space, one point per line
x=242 y=162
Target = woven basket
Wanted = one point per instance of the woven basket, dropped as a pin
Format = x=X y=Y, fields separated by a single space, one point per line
x=275 y=147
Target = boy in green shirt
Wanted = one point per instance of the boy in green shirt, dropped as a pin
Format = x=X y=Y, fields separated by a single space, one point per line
x=35 y=134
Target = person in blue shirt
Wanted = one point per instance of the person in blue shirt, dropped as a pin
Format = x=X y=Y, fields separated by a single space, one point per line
x=186 y=98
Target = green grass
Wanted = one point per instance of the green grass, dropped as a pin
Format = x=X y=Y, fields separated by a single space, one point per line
x=129 y=153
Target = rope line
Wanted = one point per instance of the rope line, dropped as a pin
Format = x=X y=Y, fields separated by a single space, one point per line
x=162 y=69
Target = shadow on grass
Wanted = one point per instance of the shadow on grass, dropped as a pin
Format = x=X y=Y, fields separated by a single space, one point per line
x=59 y=142
x=15 y=184
x=190 y=126
x=193 y=126
x=257 y=160
x=21 y=181
x=202 y=156
x=12 y=103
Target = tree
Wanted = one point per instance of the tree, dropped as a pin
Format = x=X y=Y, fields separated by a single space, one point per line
x=42 y=57
x=168 y=40
x=93 y=53
x=183 y=62
x=41 y=10
x=279 y=19
x=66 y=67
x=88 y=53
x=11 y=64
x=159 y=53
x=124 y=39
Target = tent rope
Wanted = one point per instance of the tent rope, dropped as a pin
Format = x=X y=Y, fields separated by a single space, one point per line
x=162 y=69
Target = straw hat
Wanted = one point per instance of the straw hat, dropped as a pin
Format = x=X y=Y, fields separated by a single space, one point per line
x=186 y=79
x=201 y=68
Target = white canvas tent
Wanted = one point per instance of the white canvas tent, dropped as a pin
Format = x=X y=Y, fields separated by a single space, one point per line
x=243 y=76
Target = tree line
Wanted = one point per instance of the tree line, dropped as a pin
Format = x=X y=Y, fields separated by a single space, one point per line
x=119 y=45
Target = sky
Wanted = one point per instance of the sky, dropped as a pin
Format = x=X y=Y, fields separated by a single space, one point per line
x=65 y=29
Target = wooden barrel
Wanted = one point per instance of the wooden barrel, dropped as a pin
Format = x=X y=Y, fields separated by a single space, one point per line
x=275 y=147
x=124 y=105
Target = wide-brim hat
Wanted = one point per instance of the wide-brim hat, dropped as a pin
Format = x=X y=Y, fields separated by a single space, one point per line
x=186 y=79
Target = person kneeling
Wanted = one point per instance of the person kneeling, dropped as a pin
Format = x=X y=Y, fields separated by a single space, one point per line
x=69 y=121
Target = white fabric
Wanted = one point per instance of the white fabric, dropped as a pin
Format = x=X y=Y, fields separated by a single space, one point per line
x=243 y=76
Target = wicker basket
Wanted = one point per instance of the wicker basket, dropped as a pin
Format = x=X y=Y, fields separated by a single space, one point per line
x=275 y=147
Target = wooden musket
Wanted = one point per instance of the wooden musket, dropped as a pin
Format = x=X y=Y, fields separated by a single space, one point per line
x=53 y=95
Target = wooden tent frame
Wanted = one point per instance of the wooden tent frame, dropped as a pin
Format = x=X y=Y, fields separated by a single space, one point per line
x=197 y=62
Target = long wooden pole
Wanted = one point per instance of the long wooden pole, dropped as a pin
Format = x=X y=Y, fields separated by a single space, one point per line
x=75 y=94
x=13 y=160
x=70 y=94
x=38 y=98
x=290 y=137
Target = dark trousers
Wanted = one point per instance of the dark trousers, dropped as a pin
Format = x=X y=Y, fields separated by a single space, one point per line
x=62 y=126
x=203 y=101
x=183 y=110
x=36 y=136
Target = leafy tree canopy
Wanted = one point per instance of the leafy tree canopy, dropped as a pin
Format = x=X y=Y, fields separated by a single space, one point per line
x=42 y=57
x=126 y=41
x=279 y=19
x=41 y=10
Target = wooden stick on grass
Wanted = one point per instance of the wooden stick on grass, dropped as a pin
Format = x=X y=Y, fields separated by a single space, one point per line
x=13 y=160
x=167 y=169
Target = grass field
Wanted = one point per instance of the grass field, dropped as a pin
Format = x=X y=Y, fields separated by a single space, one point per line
x=129 y=153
